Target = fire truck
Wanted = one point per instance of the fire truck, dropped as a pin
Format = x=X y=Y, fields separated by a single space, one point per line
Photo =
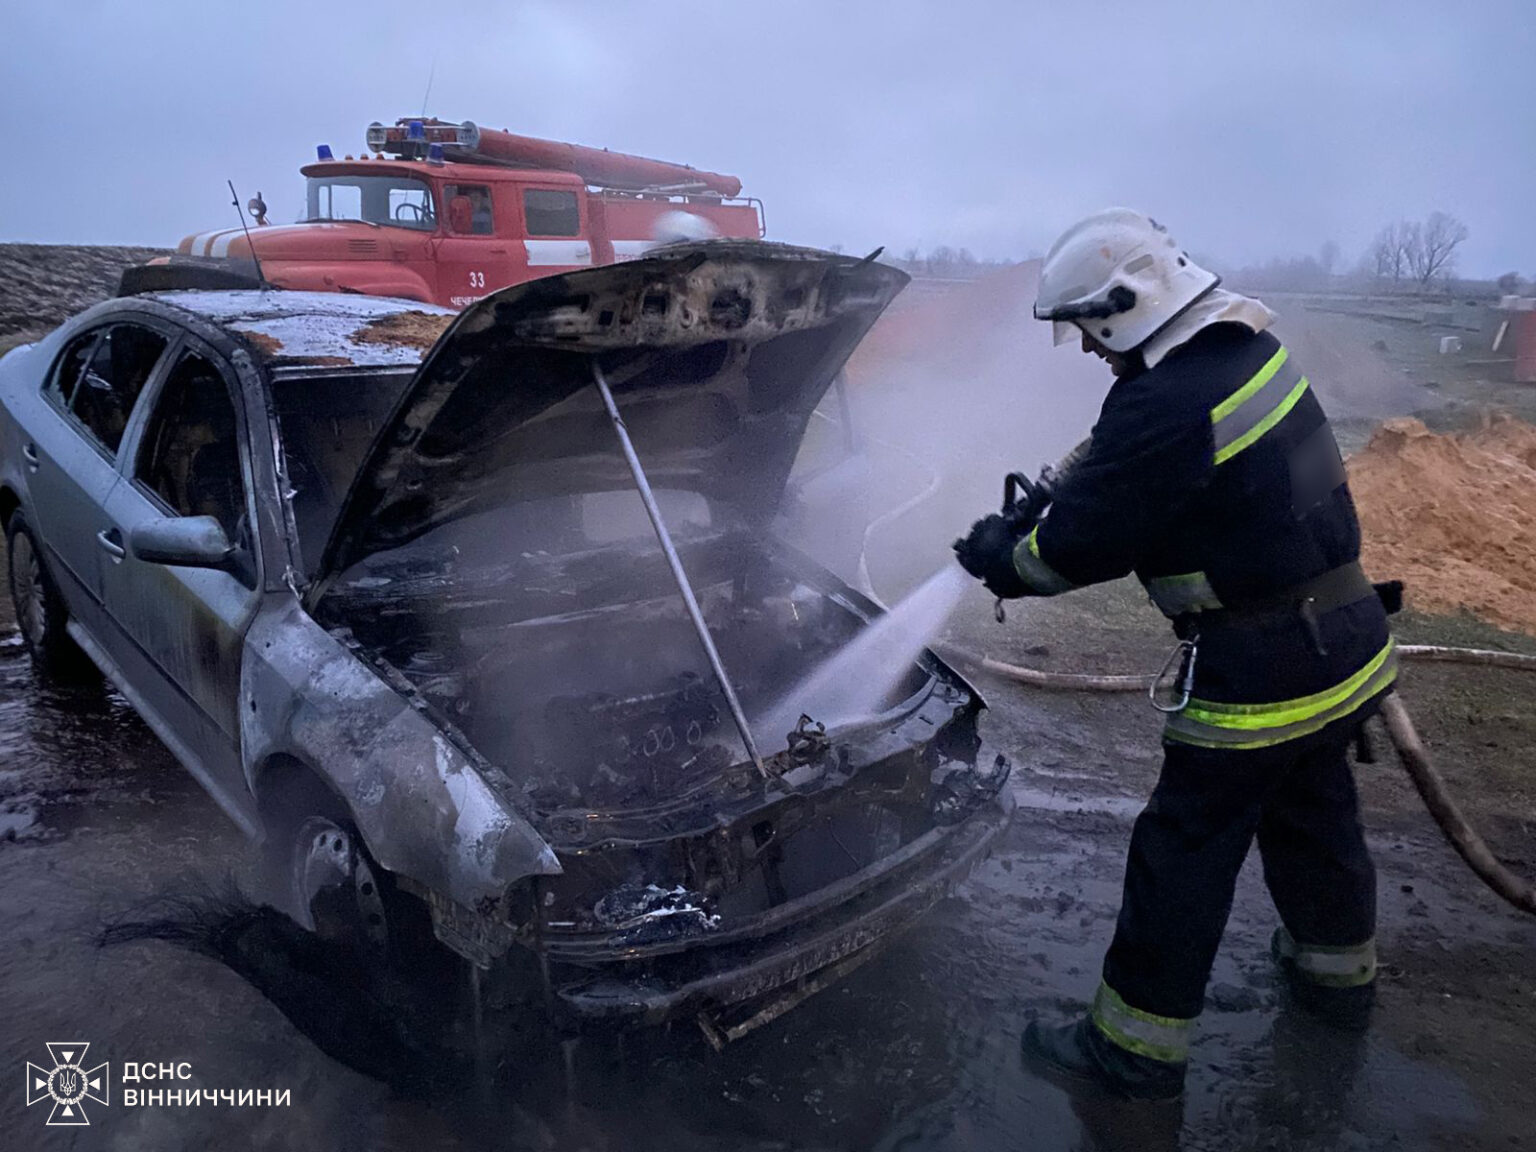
x=447 y=213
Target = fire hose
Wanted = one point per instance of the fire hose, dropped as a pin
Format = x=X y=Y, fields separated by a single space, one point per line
x=1415 y=758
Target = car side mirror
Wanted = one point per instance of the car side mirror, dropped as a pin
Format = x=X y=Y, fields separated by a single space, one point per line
x=182 y=541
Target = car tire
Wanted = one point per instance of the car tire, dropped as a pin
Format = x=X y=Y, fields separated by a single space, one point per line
x=41 y=616
x=318 y=870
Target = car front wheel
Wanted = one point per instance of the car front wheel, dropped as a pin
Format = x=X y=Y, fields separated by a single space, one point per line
x=321 y=873
x=40 y=612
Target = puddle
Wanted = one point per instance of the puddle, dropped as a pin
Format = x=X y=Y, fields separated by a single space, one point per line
x=1067 y=798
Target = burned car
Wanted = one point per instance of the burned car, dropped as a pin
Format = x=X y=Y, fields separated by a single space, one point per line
x=481 y=622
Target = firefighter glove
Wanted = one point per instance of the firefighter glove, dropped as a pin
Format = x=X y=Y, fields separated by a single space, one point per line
x=987 y=554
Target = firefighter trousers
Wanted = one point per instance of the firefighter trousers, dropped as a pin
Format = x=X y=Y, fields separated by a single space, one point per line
x=1187 y=847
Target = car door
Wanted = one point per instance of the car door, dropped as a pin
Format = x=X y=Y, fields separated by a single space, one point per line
x=472 y=261
x=556 y=239
x=71 y=453
x=177 y=632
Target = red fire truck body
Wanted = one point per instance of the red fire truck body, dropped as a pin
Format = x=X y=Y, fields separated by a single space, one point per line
x=448 y=213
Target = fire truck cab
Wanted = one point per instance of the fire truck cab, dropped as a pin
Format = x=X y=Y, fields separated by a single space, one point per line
x=447 y=213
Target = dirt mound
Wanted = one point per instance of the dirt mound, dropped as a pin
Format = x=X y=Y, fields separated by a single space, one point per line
x=1453 y=516
x=42 y=285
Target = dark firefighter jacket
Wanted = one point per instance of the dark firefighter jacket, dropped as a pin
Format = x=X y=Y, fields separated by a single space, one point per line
x=1214 y=476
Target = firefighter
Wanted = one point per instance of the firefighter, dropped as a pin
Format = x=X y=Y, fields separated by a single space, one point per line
x=1211 y=474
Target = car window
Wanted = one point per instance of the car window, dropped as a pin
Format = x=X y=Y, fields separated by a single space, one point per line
x=61 y=382
x=551 y=212
x=469 y=209
x=120 y=363
x=327 y=426
x=191 y=452
x=394 y=200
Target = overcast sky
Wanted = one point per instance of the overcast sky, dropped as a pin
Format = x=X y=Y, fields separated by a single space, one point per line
x=1251 y=129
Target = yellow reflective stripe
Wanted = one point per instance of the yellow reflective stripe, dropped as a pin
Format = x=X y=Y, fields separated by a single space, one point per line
x=1036 y=572
x=1264 y=425
x=1182 y=730
x=1335 y=966
x=1164 y=1038
x=1257 y=716
x=1185 y=592
x=1260 y=378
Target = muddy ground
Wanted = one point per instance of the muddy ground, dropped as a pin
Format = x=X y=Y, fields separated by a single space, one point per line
x=917 y=1050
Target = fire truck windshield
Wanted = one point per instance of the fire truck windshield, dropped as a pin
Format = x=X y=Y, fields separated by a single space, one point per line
x=397 y=201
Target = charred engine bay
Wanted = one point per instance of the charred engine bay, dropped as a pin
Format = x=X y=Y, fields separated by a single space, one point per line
x=578 y=681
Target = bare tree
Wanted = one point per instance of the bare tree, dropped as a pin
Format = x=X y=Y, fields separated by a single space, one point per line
x=1509 y=284
x=1431 y=248
x=1410 y=234
x=1389 y=256
x=1390 y=251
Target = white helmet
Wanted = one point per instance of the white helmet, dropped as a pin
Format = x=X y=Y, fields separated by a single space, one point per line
x=1118 y=276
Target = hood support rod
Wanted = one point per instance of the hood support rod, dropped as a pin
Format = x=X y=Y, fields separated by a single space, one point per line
x=676 y=564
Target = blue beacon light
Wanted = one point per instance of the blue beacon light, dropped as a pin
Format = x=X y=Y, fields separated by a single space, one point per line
x=323 y=152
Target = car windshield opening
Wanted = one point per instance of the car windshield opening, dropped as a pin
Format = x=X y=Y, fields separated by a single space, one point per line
x=557 y=525
x=327 y=426
x=397 y=201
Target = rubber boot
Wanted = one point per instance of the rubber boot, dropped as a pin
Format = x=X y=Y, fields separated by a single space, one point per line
x=1080 y=1056
x=1348 y=1009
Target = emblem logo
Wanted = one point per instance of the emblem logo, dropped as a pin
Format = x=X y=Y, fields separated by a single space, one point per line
x=68 y=1084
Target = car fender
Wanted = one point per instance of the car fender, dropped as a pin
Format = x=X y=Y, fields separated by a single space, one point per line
x=422 y=806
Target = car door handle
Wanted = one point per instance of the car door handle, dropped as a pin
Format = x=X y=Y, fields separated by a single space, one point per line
x=111 y=541
x=29 y=453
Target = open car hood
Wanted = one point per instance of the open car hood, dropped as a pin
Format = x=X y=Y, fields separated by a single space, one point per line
x=717 y=353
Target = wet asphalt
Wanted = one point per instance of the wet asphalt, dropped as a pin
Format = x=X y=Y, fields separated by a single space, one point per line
x=916 y=1050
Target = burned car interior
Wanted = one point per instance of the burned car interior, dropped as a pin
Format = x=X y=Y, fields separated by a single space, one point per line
x=190 y=457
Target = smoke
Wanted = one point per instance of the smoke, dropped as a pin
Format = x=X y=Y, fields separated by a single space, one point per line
x=956 y=386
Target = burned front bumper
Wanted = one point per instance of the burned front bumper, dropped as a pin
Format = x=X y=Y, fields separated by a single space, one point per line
x=757 y=969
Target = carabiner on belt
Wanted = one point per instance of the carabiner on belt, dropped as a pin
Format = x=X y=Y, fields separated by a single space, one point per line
x=1183 y=681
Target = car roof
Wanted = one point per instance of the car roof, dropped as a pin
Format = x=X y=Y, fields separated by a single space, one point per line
x=294 y=330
